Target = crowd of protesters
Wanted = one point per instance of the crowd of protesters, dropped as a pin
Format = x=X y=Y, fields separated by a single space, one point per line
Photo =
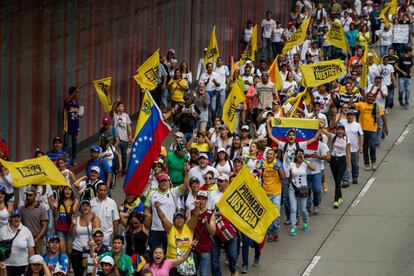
x=174 y=227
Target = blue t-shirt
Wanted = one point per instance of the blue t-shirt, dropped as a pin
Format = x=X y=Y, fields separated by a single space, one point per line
x=54 y=155
x=60 y=261
x=102 y=164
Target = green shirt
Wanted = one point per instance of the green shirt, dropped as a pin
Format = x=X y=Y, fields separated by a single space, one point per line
x=175 y=166
x=124 y=263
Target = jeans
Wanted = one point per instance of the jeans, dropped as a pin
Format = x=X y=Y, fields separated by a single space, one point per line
x=220 y=102
x=370 y=148
x=354 y=169
x=300 y=203
x=213 y=103
x=285 y=197
x=384 y=50
x=231 y=250
x=328 y=52
x=202 y=263
x=379 y=131
x=123 y=146
x=245 y=249
x=72 y=139
x=315 y=185
x=267 y=53
x=275 y=225
x=404 y=86
x=338 y=165
x=76 y=260
x=165 y=97
x=157 y=238
x=389 y=102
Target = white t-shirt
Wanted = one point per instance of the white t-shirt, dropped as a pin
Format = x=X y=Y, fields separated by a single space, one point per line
x=324 y=99
x=353 y=131
x=110 y=151
x=4 y=216
x=379 y=99
x=299 y=175
x=339 y=146
x=44 y=198
x=20 y=248
x=385 y=37
x=385 y=72
x=210 y=85
x=7 y=182
x=120 y=123
x=289 y=155
x=227 y=168
x=213 y=198
x=107 y=211
x=323 y=150
x=321 y=116
x=247 y=34
x=372 y=71
x=277 y=34
x=199 y=173
x=268 y=26
x=222 y=74
x=170 y=202
x=189 y=202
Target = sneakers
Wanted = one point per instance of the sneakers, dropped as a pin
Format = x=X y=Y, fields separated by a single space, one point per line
x=292 y=231
x=306 y=227
x=287 y=222
x=256 y=263
x=374 y=166
x=367 y=167
x=275 y=238
x=269 y=238
x=336 y=205
x=340 y=201
x=244 y=269
x=345 y=184
x=354 y=180
x=316 y=210
x=324 y=187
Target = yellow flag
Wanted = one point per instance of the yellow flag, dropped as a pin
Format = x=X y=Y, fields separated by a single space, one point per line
x=212 y=50
x=247 y=206
x=235 y=98
x=390 y=9
x=363 y=82
x=274 y=74
x=40 y=171
x=336 y=36
x=102 y=89
x=147 y=73
x=250 y=51
x=375 y=57
x=319 y=73
x=297 y=37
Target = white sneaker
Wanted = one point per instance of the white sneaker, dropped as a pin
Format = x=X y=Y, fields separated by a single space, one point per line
x=367 y=167
x=374 y=166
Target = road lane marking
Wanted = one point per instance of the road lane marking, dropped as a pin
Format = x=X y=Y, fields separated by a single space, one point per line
x=310 y=267
x=363 y=192
x=405 y=132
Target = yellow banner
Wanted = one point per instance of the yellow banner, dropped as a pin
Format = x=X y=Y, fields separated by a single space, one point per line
x=40 y=171
x=390 y=9
x=247 y=206
x=147 y=73
x=235 y=98
x=297 y=37
x=250 y=51
x=375 y=57
x=322 y=72
x=274 y=75
x=102 y=89
x=212 y=50
x=336 y=36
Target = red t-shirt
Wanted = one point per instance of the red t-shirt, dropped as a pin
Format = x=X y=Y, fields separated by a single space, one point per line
x=201 y=233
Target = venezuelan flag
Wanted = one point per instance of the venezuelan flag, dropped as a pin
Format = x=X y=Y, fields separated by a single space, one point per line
x=305 y=129
x=151 y=132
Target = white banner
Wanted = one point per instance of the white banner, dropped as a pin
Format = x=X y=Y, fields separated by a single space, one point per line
x=401 y=33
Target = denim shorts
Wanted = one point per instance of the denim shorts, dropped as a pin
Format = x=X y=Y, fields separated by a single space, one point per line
x=64 y=235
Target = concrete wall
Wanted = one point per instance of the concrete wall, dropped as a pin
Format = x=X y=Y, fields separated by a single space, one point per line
x=49 y=45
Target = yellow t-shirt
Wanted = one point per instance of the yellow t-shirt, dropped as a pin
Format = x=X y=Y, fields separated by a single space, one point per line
x=270 y=179
x=342 y=89
x=183 y=240
x=366 y=120
x=177 y=94
x=363 y=39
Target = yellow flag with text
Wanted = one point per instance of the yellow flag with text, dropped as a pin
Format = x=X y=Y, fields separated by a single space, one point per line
x=247 y=206
x=102 y=89
x=297 y=37
x=212 y=50
x=319 y=73
x=235 y=98
x=274 y=74
x=390 y=9
x=147 y=73
x=39 y=171
x=336 y=36
x=250 y=51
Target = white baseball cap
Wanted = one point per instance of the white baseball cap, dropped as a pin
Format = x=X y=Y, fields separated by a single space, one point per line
x=96 y=169
x=107 y=260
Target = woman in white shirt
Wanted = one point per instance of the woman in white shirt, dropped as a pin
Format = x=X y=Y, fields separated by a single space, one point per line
x=299 y=190
x=289 y=86
x=4 y=210
x=385 y=37
x=222 y=163
x=186 y=73
x=341 y=155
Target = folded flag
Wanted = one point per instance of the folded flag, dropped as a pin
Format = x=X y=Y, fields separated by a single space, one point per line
x=151 y=132
x=305 y=129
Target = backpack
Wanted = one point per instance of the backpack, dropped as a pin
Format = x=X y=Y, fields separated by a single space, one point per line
x=225 y=229
x=90 y=191
x=6 y=247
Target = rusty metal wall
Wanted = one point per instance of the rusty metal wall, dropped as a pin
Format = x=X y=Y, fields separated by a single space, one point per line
x=49 y=45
